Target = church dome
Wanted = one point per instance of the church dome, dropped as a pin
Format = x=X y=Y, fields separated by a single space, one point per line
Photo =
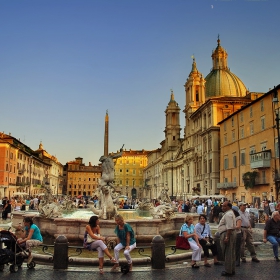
x=220 y=81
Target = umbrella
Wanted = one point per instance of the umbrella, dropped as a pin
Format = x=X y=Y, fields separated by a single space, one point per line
x=20 y=193
x=79 y=196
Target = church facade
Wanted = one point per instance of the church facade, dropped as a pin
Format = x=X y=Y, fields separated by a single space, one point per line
x=190 y=165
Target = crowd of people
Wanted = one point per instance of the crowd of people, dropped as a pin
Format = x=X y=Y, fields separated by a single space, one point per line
x=234 y=230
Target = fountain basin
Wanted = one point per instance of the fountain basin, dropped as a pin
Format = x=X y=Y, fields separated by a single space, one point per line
x=74 y=228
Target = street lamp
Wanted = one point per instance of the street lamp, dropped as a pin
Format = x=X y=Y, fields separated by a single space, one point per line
x=277 y=177
x=30 y=166
x=172 y=196
x=57 y=185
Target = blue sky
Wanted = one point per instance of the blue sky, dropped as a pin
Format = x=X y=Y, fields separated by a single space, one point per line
x=63 y=63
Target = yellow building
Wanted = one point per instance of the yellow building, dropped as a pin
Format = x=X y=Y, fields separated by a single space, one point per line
x=81 y=179
x=249 y=151
x=129 y=173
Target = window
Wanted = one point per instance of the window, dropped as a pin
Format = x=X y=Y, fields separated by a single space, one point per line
x=242 y=132
x=262 y=106
x=276 y=148
x=251 y=112
x=226 y=163
x=242 y=157
x=225 y=139
x=251 y=128
x=210 y=165
x=234 y=162
x=263 y=123
x=225 y=126
x=210 y=143
x=241 y=117
x=233 y=135
x=263 y=146
x=232 y=121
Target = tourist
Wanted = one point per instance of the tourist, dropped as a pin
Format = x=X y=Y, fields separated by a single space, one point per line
x=200 y=209
x=235 y=210
x=216 y=211
x=27 y=202
x=205 y=238
x=180 y=206
x=266 y=210
x=32 y=238
x=7 y=208
x=193 y=209
x=93 y=230
x=247 y=237
x=278 y=207
x=209 y=206
x=227 y=232
x=271 y=233
x=188 y=231
x=186 y=207
x=125 y=240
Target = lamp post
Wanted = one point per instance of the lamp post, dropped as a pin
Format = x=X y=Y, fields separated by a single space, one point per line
x=57 y=185
x=172 y=196
x=277 y=119
x=30 y=166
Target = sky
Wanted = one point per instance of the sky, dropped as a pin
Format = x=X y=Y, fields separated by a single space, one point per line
x=63 y=63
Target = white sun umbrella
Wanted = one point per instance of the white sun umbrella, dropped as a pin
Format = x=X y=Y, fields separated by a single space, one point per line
x=20 y=193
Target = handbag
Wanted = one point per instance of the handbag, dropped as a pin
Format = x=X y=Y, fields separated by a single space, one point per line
x=90 y=239
x=182 y=242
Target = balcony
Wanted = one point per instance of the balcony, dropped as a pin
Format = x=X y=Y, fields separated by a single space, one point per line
x=227 y=185
x=21 y=171
x=260 y=160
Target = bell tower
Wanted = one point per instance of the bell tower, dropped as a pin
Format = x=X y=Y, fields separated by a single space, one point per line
x=172 y=123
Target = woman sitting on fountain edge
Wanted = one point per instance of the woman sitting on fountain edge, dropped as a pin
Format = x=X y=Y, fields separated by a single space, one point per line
x=93 y=230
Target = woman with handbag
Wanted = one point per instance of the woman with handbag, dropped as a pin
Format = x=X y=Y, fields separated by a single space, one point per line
x=94 y=241
x=206 y=240
x=188 y=231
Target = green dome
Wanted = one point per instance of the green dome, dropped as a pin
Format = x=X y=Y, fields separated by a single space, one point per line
x=222 y=82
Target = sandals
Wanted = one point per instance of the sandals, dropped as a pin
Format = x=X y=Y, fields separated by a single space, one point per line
x=195 y=265
x=113 y=260
x=101 y=271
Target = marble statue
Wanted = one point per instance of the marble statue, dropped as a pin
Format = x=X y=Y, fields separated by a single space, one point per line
x=106 y=190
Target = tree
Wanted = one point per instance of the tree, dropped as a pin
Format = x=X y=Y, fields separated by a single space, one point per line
x=249 y=179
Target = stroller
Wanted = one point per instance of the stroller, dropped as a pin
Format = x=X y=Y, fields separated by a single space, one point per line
x=12 y=253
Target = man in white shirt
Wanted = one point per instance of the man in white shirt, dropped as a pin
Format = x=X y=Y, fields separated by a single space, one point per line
x=227 y=232
x=247 y=237
x=209 y=205
x=199 y=209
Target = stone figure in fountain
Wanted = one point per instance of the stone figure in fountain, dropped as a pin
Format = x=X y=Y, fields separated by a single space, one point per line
x=47 y=207
x=165 y=209
x=164 y=197
x=106 y=189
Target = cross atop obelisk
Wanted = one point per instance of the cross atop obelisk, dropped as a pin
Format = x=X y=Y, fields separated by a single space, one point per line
x=106 y=134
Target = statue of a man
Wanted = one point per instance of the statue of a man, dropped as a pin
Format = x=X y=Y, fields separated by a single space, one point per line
x=107 y=176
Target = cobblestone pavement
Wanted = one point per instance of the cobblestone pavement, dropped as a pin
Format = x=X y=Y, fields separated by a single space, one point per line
x=264 y=269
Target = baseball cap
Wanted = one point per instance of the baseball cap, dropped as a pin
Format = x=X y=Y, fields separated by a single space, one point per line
x=235 y=208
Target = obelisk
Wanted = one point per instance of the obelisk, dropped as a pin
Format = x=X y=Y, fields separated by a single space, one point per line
x=106 y=134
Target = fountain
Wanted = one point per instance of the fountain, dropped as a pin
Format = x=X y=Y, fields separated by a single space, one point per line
x=161 y=221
